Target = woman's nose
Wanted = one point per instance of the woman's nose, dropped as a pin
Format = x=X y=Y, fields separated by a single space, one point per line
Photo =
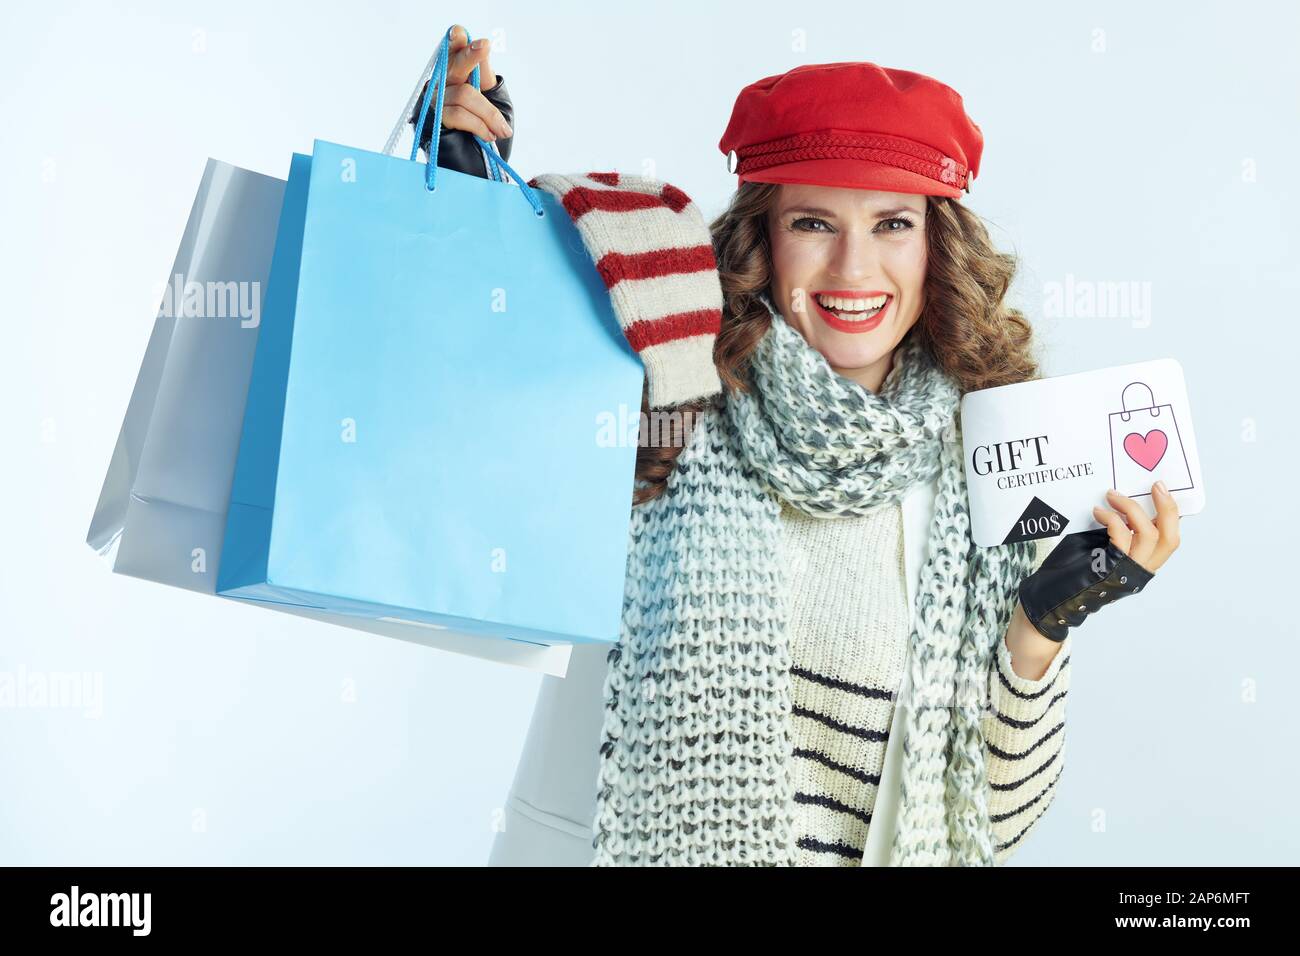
x=853 y=258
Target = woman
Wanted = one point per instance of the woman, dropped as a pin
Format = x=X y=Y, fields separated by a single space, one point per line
x=816 y=665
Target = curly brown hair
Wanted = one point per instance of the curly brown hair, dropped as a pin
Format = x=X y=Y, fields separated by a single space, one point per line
x=965 y=324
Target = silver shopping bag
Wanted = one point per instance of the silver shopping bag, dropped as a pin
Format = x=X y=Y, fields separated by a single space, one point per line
x=162 y=512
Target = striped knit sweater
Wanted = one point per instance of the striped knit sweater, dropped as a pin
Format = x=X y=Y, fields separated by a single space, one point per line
x=849 y=625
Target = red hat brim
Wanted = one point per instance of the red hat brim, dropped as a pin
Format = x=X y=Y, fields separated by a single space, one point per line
x=852 y=174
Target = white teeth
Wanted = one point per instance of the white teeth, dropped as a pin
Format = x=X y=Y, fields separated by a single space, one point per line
x=837 y=304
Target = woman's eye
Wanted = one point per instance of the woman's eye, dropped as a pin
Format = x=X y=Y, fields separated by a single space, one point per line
x=902 y=224
x=808 y=219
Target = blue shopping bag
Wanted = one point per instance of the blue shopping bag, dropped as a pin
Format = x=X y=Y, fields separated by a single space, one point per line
x=426 y=436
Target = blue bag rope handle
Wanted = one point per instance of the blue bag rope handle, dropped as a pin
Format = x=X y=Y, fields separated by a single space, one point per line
x=440 y=67
x=488 y=148
x=438 y=81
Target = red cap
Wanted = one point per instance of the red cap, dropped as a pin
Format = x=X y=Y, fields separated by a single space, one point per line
x=857 y=125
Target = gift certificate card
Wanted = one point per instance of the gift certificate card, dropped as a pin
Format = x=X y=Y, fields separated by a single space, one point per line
x=1040 y=455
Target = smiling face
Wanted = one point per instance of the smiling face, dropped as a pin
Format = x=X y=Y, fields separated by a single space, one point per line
x=848 y=271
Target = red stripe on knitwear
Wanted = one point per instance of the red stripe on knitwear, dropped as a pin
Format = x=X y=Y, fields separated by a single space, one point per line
x=614 y=267
x=647 y=332
x=581 y=200
x=674 y=198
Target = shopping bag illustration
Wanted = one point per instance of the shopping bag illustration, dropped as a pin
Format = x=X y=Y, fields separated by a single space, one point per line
x=1145 y=446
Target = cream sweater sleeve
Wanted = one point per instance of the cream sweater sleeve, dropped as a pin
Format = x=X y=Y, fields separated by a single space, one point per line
x=1024 y=732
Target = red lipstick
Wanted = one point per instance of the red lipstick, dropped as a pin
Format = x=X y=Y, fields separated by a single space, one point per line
x=848 y=325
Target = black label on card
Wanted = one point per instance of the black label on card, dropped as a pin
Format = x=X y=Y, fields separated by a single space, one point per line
x=1039 y=520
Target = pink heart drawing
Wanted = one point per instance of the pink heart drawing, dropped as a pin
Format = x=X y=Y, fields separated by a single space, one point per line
x=1147 y=451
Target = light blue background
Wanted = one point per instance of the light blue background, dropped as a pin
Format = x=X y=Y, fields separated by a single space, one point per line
x=1161 y=150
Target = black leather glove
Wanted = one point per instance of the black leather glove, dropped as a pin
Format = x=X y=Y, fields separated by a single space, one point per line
x=1066 y=588
x=456 y=147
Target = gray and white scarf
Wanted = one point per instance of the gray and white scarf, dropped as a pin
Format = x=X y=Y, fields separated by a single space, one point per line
x=697 y=745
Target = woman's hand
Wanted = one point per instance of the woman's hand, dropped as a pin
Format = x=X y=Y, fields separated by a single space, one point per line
x=464 y=107
x=1149 y=543
x=1073 y=582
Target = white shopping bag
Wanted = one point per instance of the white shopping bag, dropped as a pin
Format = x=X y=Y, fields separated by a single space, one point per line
x=162 y=512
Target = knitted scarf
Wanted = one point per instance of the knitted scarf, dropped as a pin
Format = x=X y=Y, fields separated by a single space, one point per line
x=697 y=743
x=697 y=740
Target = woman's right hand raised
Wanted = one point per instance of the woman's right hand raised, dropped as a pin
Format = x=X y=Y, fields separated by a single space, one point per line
x=464 y=107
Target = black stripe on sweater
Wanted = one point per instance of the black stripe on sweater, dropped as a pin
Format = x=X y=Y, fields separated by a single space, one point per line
x=1038 y=693
x=1026 y=724
x=826 y=761
x=821 y=800
x=1029 y=826
x=1023 y=780
x=866 y=733
x=1007 y=755
x=998 y=818
x=817 y=846
x=862 y=690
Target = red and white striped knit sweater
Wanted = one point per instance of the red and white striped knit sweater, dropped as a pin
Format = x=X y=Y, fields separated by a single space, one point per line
x=653 y=249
